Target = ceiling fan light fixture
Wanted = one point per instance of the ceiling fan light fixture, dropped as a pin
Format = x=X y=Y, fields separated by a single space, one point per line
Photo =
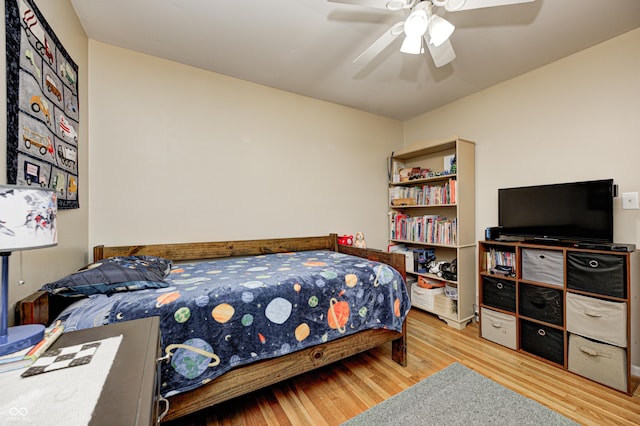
x=439 y=30
x=415 y=27
x=453 y=5
x=399 y=4
x=416 y=24
x=412 y=45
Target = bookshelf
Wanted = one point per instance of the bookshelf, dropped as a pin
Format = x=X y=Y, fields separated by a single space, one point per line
x=432 y=210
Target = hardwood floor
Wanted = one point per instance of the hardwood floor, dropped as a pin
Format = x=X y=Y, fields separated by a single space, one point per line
x=338 y=392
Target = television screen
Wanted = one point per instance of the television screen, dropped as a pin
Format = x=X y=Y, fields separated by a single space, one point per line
x=577 y=211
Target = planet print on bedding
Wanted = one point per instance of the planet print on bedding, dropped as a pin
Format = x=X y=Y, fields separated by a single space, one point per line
x=262 y=307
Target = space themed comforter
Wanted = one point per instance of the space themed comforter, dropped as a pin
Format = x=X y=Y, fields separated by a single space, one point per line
x=219 y=314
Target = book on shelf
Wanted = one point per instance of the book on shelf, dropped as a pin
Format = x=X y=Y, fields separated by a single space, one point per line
x=496 y=258
x=426 y=195
x=25 y=357
x=432 y=229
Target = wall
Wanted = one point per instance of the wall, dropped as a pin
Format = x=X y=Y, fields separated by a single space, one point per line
x=37 y=267
x=575 y=119
x=182 y=154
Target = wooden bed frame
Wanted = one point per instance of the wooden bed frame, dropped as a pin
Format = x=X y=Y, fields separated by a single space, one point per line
x=43 y=308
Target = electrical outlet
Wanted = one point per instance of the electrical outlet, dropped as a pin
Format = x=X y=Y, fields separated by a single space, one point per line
x=629 y=200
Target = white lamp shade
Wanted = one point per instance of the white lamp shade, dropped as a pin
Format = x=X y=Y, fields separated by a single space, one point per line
x=27 y=218
x=417 y=23
x=415 y=27
x=412 y=45
x=439 y=30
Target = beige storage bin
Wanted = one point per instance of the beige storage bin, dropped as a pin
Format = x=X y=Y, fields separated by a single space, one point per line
x=603 y=363
x=498 y=327
x=423 y=298
x=598 y=319
x=408 y=259
x=544 y=266
x=443 y=305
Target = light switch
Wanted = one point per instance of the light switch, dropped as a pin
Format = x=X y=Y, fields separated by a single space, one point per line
x=629 y=200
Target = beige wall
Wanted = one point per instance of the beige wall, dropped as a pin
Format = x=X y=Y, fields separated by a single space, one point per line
x=181 y=154
x=37 y=267
x=575 y=119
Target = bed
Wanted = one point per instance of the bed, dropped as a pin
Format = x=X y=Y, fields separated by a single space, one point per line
x=340 y=337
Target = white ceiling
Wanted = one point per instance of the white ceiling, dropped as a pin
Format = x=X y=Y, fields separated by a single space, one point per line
x=308 y=46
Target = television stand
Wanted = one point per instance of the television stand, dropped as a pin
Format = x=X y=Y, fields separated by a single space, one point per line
x=573 y=308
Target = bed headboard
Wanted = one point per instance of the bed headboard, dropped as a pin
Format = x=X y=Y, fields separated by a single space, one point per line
x=212 y=250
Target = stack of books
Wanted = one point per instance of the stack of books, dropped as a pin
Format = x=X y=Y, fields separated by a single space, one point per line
x=25 y=357
x=432 y=229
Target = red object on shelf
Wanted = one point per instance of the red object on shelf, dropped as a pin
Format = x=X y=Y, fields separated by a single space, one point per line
x=345 y=240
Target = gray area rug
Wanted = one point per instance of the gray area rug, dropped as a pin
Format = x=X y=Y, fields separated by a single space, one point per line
x=457 y=395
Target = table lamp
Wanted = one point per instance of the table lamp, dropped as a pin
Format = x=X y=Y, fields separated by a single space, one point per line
x=27 y=221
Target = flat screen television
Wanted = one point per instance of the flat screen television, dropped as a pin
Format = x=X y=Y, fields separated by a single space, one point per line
x=573 y=212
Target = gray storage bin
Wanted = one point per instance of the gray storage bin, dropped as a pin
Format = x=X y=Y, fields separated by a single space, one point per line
x=544 y=266
x=598 y=319
x=498 y=327
x=603 y=363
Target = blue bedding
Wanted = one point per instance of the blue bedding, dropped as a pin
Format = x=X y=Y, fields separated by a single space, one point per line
x=219 y=314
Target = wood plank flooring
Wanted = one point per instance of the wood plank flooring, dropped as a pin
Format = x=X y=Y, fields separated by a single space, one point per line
x=336 y=393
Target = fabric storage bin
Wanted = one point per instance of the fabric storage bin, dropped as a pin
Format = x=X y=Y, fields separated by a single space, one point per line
x=498 y=327
x=424 y=297
x=499 y=294
x=541 y=340
x=603 y=363
x=544 y=266
x=598 y=319
x=541 y=303
x=443 y=305
x=597 y=273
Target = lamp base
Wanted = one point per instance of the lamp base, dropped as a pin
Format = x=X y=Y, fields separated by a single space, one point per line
x=21 y=337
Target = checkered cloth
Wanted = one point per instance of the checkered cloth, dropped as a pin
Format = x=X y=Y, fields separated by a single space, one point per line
x=56 y=359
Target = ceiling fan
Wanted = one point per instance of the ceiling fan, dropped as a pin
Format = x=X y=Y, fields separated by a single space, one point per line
x=423 y=27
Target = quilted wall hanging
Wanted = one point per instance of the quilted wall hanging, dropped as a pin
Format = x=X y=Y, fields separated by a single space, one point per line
x=42 y=105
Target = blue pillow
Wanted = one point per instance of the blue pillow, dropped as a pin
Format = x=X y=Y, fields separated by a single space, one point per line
x=113 y=275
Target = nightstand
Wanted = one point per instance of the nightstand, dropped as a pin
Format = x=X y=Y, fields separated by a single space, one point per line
x=130 y=395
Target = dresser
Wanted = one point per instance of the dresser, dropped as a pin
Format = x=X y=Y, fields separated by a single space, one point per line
x=130 y=395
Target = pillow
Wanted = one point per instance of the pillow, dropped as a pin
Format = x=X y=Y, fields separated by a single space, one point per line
x=113 y=275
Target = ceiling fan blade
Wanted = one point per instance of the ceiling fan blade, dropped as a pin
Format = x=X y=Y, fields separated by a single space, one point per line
x=456 y=5
x=442 y=54
x=379 y=4
x=380 y=44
